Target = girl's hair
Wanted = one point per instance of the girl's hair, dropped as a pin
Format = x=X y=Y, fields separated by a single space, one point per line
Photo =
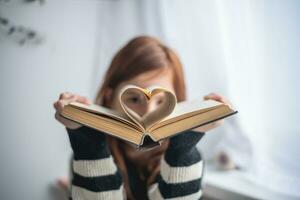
x=139 y=55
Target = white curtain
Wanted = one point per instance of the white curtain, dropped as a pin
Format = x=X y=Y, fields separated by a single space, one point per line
x=246 y=50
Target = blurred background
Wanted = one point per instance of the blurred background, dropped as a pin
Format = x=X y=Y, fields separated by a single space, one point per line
x=247 y=50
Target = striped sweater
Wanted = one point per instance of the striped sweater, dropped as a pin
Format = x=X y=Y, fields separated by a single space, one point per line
x=96 y=176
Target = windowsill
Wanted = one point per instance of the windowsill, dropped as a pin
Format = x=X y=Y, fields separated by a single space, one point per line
x=233 y=185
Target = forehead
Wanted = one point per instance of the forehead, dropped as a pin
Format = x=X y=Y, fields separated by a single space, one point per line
x=163 y=78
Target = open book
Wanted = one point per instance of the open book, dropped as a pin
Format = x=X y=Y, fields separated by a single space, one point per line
x=168 y=119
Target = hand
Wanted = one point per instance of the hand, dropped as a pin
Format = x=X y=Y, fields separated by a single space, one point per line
x=219 y=98
x=215 y=124
x=64 y=99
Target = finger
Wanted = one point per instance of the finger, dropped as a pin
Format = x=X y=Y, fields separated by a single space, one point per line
x=221 y=99
x=57 y=116
x=84 y=100
x=65 y=95
x=58 y=105
x=68 y=98
x=62 y=103
x=55 y=105
x=218 y=123
x=62 y=96
x=213 y=96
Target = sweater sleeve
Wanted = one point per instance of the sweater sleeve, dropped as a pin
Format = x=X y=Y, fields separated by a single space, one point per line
x=95 y=175
x=181 y=169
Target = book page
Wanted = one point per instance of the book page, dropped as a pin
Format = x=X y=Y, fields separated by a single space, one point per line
x=103 y=123
x=195 y=105
x=187 y=109
x=172 y=127
x=148 y=119
x=101 y=110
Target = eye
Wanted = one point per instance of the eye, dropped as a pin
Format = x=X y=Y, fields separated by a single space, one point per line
x=160 y=101
x=133 y=100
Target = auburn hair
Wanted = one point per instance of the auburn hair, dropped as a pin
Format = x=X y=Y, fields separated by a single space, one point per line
x=139 y=55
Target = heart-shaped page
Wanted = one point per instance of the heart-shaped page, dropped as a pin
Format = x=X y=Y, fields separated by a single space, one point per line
x=147 y=120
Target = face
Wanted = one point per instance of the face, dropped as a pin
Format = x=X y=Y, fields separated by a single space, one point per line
x=145 y=80
x=158 y=78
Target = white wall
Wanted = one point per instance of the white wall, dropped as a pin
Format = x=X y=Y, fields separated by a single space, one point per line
x=34 y=148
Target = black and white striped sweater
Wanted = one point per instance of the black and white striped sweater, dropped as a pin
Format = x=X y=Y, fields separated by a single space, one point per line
x=96 y=176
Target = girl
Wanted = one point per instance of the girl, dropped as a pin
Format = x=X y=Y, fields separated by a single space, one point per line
x=105 y=167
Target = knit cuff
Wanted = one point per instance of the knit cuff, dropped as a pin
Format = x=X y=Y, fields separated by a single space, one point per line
x=88 y=144
x=185 y=141
x=182 y=150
